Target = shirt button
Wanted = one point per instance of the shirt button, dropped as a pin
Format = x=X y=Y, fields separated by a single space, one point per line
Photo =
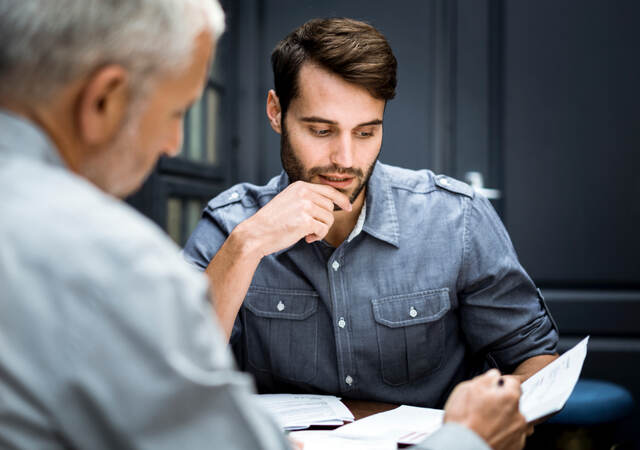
x=233 y=196
x=444 y=181
x=348 y=380
x=335 y=265
x=341 y=322
x=413 y=312
x=280 y=306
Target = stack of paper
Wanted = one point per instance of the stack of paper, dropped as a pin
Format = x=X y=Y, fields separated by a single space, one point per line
x=299 y=411
x=404 y=425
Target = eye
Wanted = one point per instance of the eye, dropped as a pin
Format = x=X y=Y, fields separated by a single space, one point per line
x=320 y=132
x=364 y=134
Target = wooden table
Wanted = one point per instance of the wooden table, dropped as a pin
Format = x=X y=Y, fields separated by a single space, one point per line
x=363 y=408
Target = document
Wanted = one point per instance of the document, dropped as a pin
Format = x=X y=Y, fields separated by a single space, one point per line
x=544 y=393
x=404 y=425
x=323 y=440
x=299 y=411
x=547 y=390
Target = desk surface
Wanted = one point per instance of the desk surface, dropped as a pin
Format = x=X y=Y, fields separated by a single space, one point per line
x=363 y=408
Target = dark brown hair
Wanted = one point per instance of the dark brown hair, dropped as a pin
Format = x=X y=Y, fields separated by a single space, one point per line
x=354 y=50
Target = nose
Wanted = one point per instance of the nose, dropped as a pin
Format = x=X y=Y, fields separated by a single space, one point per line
x=342 y=151
x=173 y=140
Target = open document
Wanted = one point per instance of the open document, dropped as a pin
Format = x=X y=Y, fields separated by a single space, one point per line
x=299 y=411
x=547 y=390
x=404 y=425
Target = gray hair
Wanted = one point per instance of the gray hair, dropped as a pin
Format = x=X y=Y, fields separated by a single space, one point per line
x=45 y=44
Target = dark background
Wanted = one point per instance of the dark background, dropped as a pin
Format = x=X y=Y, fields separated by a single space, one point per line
x=540 y=97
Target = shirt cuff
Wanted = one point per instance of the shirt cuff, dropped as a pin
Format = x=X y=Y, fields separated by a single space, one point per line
x=452 y=436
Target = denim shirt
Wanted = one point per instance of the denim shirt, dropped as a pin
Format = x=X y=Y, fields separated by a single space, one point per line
x=423 y=297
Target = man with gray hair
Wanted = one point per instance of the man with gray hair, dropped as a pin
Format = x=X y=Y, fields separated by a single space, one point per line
x=107 y=338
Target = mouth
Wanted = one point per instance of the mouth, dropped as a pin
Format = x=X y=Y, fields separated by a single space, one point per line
x=336 y=181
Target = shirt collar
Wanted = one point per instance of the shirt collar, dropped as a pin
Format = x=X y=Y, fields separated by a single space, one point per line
x=382 y=218
x=21 y=137
x=378 y=216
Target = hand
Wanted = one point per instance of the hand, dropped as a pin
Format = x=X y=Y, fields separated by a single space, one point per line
x=302 y=210
x=488 y=405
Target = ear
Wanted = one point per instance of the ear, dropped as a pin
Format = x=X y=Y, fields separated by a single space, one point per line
x=103 y=105
x=274 y=112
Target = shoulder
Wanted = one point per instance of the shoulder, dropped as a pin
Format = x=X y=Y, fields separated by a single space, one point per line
x=245 y=194
x=425 y=181
x=64 y=223
x=241 y=201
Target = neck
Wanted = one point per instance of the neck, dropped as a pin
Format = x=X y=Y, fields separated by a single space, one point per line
x=345 y=221
x=48 y=121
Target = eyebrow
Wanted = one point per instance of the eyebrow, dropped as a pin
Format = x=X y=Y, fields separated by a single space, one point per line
x=315 y=119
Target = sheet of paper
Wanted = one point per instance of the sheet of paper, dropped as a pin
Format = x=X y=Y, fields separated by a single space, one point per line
x=547 y=391
x=299 y=411
x=323 y=440
x=405 y=425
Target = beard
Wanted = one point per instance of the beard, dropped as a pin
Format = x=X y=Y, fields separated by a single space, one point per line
x=296 y=171
x=120 y=169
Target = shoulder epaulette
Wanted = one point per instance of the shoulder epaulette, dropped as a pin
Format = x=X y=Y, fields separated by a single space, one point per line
x=453 y=185
x=233 y=195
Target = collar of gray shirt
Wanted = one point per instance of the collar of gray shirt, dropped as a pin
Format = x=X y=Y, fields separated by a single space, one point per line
x=19 y=137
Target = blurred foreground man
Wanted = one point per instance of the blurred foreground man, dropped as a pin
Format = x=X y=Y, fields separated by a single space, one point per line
x=107 y=339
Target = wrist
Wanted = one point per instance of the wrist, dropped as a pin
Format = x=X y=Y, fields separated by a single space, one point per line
x=244 y=242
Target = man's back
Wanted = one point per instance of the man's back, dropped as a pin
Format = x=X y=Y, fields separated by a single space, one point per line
x=107 y=339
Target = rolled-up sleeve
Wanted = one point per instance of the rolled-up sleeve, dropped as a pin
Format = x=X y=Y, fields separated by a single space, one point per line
x=503 y=314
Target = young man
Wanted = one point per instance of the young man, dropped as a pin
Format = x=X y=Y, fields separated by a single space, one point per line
x=107 y=339
x=347 y=276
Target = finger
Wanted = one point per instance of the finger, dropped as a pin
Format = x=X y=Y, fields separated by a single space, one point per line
x=488 y=378
x=511 y=383
x=522 y=442
x=334 y=195
x=323 y=202
x=529 y=429
x=322 y=215
x=317 y=229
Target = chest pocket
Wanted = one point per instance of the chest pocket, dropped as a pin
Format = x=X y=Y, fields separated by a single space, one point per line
x=281 y=332
x=410 y=330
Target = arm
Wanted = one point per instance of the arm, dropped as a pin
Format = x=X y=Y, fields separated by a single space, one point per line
x=302 y=210
x=532 y=365
x=151 y=369
x=503 y=315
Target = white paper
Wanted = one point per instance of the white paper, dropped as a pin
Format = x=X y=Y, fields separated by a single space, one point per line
x=299 y=411
x=405 y=425
x=547 y=390
x=323 y=440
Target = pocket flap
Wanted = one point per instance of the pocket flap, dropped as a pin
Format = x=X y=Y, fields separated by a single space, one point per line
x=411 y=309
x=281 y=303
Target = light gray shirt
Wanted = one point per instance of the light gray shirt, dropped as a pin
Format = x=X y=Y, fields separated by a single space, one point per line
x=107 y=338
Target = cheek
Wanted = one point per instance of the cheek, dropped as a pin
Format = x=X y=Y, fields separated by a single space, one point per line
x=307 y=149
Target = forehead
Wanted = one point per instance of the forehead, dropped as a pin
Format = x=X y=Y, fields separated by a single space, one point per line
x=187 y=84
x=324 y=94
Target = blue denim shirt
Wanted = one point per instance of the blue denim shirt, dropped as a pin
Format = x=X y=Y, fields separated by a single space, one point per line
x=428 y=292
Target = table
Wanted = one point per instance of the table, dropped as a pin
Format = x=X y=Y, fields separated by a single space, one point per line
x=364 y=408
